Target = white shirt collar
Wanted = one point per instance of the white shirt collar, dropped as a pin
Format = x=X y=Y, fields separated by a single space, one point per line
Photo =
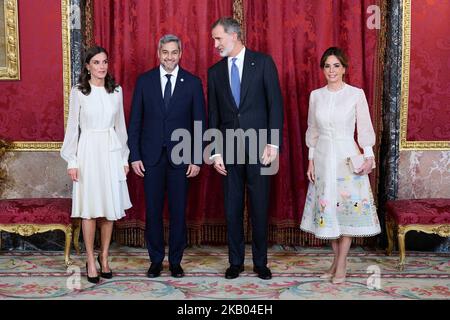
x=240 y=56
x=163 y=72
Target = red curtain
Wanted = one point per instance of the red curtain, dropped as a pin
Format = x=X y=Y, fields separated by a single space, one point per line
x=295 y=33
x=130 y=31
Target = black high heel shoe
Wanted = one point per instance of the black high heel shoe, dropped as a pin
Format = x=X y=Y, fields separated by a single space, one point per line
x=91 y=279
x=106 y=275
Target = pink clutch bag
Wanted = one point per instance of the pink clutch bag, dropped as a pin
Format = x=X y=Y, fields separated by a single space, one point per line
x=355 y=162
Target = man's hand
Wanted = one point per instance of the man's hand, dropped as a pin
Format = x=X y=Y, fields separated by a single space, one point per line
x=138 y=168
x=366 y=168
x=73 y=174
x=219 y=166
x=192 y=171
x=269 y=154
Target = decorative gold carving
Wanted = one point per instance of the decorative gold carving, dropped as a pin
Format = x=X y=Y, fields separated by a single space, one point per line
x=378 y=94
x=48 y=145
x=65 y=18
x=406 y=55
x=442 y=230
x=89 y=24
x=30 y=229
x=238 y=14
x=35 y=146
x=11 y=71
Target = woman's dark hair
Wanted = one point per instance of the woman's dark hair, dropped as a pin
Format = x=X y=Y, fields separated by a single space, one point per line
x=83 y=80
x=338 y=53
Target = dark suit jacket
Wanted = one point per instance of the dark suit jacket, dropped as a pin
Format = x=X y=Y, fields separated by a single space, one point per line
x=151 y=127
x=261 y=105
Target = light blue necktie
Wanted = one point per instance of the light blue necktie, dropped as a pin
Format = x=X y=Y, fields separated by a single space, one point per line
x=235 y=82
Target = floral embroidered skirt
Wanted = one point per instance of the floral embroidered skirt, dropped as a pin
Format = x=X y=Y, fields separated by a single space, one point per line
x=339 y=203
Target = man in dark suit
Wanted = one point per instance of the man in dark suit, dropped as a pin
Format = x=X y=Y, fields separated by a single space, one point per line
x=166 y=99
x=244 y=94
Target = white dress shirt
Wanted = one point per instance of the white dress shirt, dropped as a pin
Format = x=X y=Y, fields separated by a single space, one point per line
x=239 y=63
x=173 y=78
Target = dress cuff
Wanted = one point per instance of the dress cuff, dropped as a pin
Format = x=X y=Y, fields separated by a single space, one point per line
x=368 y=152
x=72 y=164
x=311 y=154
x=272 y=145
x=214 y=155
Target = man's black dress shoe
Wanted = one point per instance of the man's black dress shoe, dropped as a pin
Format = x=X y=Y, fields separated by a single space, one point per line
x=233 y=272
x=263 y=272
x=176 y=270
x=154 y=270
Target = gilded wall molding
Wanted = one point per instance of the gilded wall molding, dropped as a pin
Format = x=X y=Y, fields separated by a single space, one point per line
x=50 y=145
x=88 y=31
x=238 y=14
x=406 y=55
x=11 y=69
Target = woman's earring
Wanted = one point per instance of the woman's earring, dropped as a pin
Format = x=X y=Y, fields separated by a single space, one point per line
x=89 y=72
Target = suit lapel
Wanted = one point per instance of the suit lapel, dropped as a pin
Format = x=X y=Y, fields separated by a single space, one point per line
x=247 y=72
x=156 y=87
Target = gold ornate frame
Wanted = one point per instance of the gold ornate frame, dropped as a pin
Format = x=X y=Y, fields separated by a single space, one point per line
x=406 y=50
x=50 y=145
x=11 y=71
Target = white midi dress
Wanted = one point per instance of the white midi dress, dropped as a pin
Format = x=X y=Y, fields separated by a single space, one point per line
x=339 y=203
x=95 y=142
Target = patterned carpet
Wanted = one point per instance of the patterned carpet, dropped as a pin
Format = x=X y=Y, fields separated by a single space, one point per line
x=371 y=275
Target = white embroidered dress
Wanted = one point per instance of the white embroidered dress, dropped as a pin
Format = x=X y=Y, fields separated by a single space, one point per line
x=339 y=202
x=95 y=142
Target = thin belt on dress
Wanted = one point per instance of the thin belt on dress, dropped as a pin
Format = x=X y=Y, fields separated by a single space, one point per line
x=114 y=142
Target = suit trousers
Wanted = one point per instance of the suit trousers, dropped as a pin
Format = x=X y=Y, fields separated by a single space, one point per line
x=238 y=178
x=159 y=178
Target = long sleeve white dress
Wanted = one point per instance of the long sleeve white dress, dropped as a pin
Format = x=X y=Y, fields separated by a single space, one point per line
x=96 y=143
x=339 y=203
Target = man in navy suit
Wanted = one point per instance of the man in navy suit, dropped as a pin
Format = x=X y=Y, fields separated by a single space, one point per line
x=244 y=95
x=165 y=99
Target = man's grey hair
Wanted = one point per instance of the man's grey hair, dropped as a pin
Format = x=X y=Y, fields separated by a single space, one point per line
x=230 y=25
x=169 y=38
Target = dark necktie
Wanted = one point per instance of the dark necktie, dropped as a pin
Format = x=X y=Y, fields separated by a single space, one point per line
x=167 y=91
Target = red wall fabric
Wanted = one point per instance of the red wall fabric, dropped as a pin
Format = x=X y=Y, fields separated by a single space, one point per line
x=32 y=109
x=429 y=81
x=296 y=33
x=130 y=31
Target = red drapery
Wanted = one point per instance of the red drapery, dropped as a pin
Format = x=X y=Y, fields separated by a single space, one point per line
x=294 y=32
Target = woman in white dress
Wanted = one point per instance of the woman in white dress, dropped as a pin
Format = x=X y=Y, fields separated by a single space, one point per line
x=339 y=203
x=95 y=147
